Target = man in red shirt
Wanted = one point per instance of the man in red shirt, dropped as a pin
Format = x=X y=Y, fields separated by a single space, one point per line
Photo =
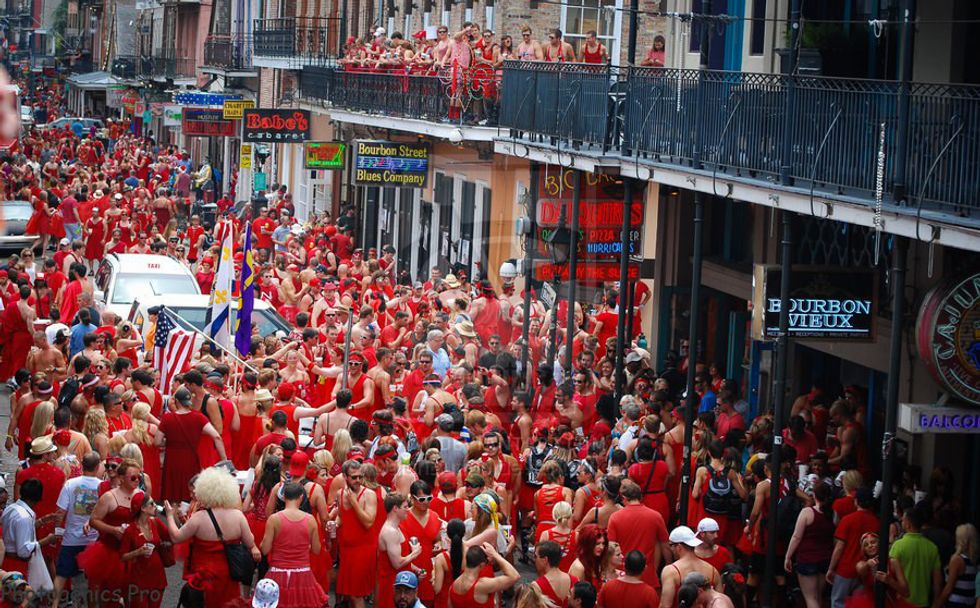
x=842 y=573
x=43 y=452
x=728 y=418
x=262 y=228
x=69 y=299
x=638 y=527
x=802 y=440
x=629 y=590
x=55 y=278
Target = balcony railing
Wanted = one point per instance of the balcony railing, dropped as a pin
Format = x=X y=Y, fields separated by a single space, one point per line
x=418 y=96
x=736 y=123
x=128 y=67
x=233 y=53
x=298 y=40
x=168 y=64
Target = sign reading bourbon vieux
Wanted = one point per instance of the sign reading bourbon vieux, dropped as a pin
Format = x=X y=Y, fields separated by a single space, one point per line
x=824 y=303
x=948 y=336
x=280 y=125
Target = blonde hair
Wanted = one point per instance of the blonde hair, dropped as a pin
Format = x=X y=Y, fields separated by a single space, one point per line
x=342 y=443
x=561 y=512
x=116 y=444
x=131 y=451
x=95 y=423
x=141 y=428
x=370 y=473
x=852 y=480
x=966 y=541
x=323 y=459
x=216 y=489
x=529 y=596
x=43 y=415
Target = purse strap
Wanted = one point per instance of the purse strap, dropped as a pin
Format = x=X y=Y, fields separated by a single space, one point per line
x=217 y=528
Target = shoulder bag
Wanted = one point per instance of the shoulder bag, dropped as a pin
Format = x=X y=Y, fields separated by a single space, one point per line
x=241 y=566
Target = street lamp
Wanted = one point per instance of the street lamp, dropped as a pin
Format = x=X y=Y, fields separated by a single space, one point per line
x=559 y=247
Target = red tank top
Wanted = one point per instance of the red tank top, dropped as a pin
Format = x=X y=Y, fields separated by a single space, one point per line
x=545 y=501
x=592 y=57
x=357 y=394
x=291 y=548
x=545 y=585
x=468 y=599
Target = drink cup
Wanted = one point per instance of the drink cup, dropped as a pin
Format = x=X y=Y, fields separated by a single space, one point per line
x=150 y=549
x=59 y=531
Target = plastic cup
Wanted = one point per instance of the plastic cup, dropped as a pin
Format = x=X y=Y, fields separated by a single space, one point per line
x=151 y=546
x=59 y=531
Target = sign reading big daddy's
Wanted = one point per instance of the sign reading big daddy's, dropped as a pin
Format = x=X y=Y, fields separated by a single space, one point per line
x=282 y=125
x=948 y=336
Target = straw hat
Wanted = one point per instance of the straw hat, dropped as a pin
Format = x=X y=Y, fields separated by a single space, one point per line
x=465 y=329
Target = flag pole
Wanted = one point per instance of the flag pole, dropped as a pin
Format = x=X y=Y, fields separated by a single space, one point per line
x=187 y=325
x=347 y=341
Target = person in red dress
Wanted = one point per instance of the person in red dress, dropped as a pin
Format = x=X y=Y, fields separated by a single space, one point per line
x=423 y=524
x=551 y=493
x=651 y=475
x=140 y=550
x=217 y=521
x=290 y=536
x=358 y=546
x=17 y=337
x=396 y=551
x=181 y=430
x=102 y=560
x=629 y=590
x=552 y=582
x=472 y=589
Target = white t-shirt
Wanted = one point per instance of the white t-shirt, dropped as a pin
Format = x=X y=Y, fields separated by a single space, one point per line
x=78 y=497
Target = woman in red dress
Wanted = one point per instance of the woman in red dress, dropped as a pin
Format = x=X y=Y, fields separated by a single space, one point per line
x=206 y=566
x=17 y=337
x=290 y=537
x=102 y=560
x=357 y=540
x=144 y=435
x=40 y=221
x=140 y=552
x=551 y=493
x=268 y=473
x=180 y=431
x=651 y=475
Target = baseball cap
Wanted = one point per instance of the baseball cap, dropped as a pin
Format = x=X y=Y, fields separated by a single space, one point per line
x=266 y=594
x=708 y=525
x=447 y=479
x=445 y=422
x=633 y=358
x=406 y=579
x=682 y=535
x=298 y=464
x=64 y=242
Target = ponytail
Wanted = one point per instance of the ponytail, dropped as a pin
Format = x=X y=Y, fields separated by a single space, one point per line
x=455 y=530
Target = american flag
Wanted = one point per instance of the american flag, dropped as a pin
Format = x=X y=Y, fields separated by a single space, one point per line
x=172 y=348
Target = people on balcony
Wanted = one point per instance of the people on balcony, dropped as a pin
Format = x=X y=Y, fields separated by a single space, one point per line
x=593 y=51
x=656 y=56
x=557 y=50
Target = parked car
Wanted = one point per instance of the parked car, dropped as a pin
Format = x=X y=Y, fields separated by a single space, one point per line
x=65 y=121
x=13 y=221
x=26 y=116
x=124 y=277
x=193 y=310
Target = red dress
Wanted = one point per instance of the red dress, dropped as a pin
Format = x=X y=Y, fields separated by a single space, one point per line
x=289 y=565
x=358 y=549
x=384 y=593
x=544 y=502
x=428 y=535
x=652 y=479
x=95 y=243
x=242 y=440
x=149 y=571
x=40 y=222
x=151 y=466
x=16 y=338
x=468 y=599
x=183 y=433
x=206 y=562
x=101 y=560
x=549 y=592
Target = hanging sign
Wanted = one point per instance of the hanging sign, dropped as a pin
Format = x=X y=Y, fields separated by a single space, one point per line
x=245 y=157
x=233 y=109
x=324 y=154
x=282 y=125
x=206 y=122
x=194 y=98
x=172 y=115
x=948 y=336
x=591 y=272
x=391 y=163
x=825 y=303
x=928 y=418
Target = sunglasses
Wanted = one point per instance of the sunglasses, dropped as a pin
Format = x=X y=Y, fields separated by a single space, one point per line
x=491 y=446
x=473 y=486
x=354 y=363
x=423 y=362
x=355 y=477
x=111 y=466
x=422 y=499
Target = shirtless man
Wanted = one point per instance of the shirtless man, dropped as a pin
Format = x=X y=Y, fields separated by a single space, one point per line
x=683 y=541
x=291 y=290
x=432 y=399
x=380 y=376
x=557 y=49
x=46 y=359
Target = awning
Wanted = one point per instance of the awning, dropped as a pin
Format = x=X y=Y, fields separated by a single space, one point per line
x=93 y=81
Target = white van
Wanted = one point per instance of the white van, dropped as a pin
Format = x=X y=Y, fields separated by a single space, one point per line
x=124 y=277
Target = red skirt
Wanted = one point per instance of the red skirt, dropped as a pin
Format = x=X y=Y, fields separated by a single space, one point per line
x=103 y=566
x=207 y=568
x=298 y=588
x=357 y=562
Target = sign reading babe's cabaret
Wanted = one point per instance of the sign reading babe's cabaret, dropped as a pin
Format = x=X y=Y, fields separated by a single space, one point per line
x=824 y=303
x=206 y=122
x=282 y=125
x=391 y=163
x=324 y=154
x=948 y=336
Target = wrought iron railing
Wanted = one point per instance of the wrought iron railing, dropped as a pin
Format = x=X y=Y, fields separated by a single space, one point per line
x=167 y=63
x=736 y=123
x=126 y=66
x=471 y=100
x=228 y=52
x=301 y=40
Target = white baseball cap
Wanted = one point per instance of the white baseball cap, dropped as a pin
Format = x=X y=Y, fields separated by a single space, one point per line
x=682 y=535
x=708 y=525
x=266 y=594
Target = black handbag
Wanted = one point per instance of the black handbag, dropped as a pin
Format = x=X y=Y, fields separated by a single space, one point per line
x=241 y=566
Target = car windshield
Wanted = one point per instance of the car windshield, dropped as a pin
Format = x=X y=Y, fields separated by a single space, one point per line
x=268 y=323
x=16 y=211
x=132 y=286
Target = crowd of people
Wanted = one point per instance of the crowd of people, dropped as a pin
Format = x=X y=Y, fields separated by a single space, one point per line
x=395 y=446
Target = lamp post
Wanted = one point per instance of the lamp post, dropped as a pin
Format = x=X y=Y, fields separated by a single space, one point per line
x=559 y=243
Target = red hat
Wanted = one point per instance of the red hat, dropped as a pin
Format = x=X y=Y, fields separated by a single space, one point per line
x=62 y=437
x=136 y=503
x=314 y=282
x=358 y=356
x=331 y=230
x=447 y=479
x=287 y=390
x=419 y=35
x=298 y=464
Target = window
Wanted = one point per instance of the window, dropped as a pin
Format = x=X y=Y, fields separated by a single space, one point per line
x=757 y=36
x=581 y=16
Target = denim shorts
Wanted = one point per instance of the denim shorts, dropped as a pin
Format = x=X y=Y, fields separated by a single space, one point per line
x=67 y=564
x=812 y=569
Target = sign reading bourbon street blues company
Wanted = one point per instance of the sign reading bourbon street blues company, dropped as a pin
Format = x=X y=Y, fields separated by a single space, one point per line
x=948 y=336
x=824 y=302
x=391 y=163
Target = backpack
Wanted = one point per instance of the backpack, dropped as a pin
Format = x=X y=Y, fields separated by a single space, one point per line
x=718 y=498
x=68 y=392
x=787 y=511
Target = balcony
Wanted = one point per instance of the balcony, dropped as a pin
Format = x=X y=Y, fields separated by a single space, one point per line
x=166 y=64
x=130 y=67
x=734 y=126
x=388 y=99
x=229 y=55
x=294 y=42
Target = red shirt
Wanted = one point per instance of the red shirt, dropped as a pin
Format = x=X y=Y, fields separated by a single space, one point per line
x=721 y=557
x=849 y=531
x=69 y=302
x=727 y=422
x=263 y=241
x=639 y=527
x=267 y=440
x=622 y=594
x=844 y=506
x=52 y=478
x=805 y=446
